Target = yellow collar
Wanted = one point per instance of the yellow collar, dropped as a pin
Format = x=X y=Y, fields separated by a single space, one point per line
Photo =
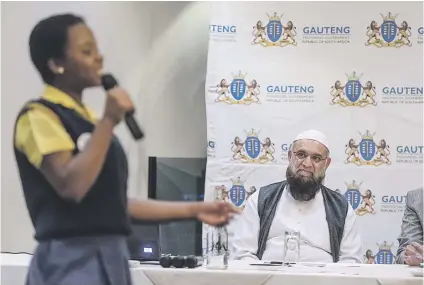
x=56 y=96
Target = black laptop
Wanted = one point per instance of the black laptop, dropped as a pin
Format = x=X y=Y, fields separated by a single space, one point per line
x=143 y=243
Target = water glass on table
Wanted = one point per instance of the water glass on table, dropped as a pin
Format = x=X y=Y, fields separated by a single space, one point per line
x=217 y=252
x=291 y=246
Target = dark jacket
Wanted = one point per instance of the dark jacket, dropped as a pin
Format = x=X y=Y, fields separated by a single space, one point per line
x=336 y=208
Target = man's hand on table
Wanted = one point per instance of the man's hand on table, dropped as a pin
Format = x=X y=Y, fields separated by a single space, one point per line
x=413 y=254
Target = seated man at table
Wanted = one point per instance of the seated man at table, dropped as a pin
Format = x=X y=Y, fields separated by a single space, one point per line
x=324 y=218
x=410 y=249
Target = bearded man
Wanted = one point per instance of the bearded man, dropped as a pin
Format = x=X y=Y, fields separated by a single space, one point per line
x=324 y=218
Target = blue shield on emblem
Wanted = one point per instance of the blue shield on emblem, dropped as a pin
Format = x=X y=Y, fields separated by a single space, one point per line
x=274 y=30
x=253 y=147
x=367 y=149
x=237 y=195
x=353 y=90
x=238 y=88
x=353 y=196
x=384 y=256
x=388 y=31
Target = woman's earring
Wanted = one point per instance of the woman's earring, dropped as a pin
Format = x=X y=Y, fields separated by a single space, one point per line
x=60 y=70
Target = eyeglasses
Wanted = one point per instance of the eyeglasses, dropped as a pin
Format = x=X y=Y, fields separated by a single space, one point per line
x=301 y=155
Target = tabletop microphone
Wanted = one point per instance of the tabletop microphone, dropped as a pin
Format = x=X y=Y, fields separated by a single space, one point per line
x=109 y=82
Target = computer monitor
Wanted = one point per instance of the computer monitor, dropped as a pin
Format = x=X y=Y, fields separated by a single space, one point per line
x=178 y=179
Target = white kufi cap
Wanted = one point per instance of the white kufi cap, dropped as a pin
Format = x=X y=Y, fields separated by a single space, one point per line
x=313 y=135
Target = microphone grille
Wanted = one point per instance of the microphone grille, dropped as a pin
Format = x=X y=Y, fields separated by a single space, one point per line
x=108 y=81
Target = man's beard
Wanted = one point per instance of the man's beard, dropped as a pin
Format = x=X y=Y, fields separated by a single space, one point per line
x=303 y=188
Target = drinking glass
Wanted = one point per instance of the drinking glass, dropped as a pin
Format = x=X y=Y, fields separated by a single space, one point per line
x=291 y=246
x=217 y=248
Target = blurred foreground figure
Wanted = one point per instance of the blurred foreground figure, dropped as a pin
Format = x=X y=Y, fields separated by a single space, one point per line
x=74 y=171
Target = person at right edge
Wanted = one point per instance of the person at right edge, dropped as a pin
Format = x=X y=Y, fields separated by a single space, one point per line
x=410 y=250
x=74 y=171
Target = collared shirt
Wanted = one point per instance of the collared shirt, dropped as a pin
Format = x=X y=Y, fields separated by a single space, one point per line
x=308 y=218
x=58 y=123
x=39 y=131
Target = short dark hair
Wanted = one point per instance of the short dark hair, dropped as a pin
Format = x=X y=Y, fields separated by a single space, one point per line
x=48 y=40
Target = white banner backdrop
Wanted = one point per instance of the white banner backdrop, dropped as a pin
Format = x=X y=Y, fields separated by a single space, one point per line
x=353 y=70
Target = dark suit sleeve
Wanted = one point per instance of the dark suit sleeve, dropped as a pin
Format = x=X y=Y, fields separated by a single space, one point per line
x=411 y=229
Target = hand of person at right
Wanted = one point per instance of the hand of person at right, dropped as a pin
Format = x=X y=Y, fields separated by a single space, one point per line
x=118 y=102
x=413 y=255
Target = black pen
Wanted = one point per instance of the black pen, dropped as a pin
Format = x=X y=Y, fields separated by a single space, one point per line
x=273 y=263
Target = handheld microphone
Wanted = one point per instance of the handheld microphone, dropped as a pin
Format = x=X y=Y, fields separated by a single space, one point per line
x=109 y=82
x=165 y=261
x=193 y=261
x=178 y=261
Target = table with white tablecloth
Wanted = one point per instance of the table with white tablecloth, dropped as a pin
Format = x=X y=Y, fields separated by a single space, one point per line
x=241 y=273
x=303 y=274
